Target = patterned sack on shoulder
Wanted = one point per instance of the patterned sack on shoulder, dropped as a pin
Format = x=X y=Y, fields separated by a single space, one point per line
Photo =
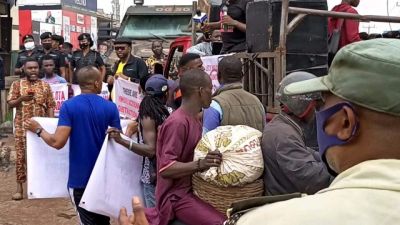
x=242 y=161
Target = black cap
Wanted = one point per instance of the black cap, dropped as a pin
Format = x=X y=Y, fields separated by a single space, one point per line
x=87 y=37
x=58 y=38
x=123 y=40
x=45 y=35
x=28 y=36
x=84 y=36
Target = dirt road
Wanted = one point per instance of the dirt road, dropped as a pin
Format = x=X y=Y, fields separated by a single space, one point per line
x=30 y=212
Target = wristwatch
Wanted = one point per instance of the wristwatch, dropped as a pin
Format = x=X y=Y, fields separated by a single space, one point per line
x=38 y=131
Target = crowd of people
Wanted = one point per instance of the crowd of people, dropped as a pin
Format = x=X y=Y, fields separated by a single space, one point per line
x=336 y=137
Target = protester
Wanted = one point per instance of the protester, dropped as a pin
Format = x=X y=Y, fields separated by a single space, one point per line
x=128 y=67
x=157 y=57
x=31 y=97
x=358 y=129
x=152 y=113
x=187 y=62
x=23 y=55
x=291 y=164
x=46 y=40
x=86 y=57
x=234 y=41
x=176 y=141
x=349 y=28
x=57 y=42
x=48 y=69
x=83 y=120
x=231 y=104
x=206 y=48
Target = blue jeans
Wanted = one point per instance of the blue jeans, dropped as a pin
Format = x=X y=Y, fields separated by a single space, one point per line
x=149 y=192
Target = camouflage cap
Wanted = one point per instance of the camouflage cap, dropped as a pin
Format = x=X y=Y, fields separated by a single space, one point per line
x=365 y=73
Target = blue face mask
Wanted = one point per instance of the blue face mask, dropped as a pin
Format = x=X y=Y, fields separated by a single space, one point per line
x=326 y=141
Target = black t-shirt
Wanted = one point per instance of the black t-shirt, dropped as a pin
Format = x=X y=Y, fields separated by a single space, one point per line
x=235 y=41
x=78 y=61
x=23 y=56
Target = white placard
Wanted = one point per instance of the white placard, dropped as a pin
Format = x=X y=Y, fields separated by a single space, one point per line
x=105 y=93
x=60 y=94
x=127 y=98
x=114 y=181
x=47 y=168
x=210 y=64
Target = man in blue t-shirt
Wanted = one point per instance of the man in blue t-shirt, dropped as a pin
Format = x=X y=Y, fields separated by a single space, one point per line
x=84 y=119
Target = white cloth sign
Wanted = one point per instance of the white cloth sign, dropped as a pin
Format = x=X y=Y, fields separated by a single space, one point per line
x=105 y=93
x=60 y=94
x=114 y=181
x=47 y=167
x=127 y=98
x=210 y=64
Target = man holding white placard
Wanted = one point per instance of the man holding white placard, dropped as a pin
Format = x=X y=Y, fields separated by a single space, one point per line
x=84 y=119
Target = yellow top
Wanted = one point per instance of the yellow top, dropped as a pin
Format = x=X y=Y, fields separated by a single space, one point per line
x=120 y=68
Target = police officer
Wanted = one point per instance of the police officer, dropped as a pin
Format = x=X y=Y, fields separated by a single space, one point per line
x=67 y=52
x=57 y=42
x=86 y=57
x=28 y=52
x=47 y=49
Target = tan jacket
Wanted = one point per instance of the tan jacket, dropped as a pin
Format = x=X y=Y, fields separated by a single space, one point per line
x=366 y=194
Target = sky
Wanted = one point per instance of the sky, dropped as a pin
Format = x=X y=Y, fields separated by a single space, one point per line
x=366 y=7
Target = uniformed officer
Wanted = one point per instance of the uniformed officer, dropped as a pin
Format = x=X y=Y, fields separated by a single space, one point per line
x=57 y=42
x=67 y=51
x=86 y=57
x=28 y=52
x=46 y=40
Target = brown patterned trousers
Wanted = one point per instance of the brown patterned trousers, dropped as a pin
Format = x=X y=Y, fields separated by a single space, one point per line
x=20 y=148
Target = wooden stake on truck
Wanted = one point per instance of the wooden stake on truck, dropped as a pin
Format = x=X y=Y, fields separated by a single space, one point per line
x=265 y=70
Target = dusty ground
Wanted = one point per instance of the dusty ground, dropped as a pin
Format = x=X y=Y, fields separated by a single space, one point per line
x=30 y=212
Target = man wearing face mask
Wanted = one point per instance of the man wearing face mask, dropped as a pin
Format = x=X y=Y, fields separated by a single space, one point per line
x=291 y=163
x=28 y=52
x=209 y=47
x=358 y=127
x=86 y=57
x=59 y=59
x=231 y=104
x=31 y=97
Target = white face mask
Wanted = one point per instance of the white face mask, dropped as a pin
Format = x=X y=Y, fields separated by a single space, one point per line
x=29 y=45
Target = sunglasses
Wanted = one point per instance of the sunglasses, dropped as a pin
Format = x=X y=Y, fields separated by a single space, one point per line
x=118 y=48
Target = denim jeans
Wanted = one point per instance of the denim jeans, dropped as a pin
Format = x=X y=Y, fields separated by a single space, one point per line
x=149 y=191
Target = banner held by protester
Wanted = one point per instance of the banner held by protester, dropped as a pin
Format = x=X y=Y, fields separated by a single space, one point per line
x=116 y=168
x=127 y=98
x=60 y=93
x=48 y=167
x=105 y=93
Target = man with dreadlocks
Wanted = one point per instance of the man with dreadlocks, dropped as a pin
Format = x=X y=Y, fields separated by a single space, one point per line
x=152 y=113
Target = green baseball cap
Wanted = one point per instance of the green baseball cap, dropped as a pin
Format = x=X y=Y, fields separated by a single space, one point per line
x=365 y=73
